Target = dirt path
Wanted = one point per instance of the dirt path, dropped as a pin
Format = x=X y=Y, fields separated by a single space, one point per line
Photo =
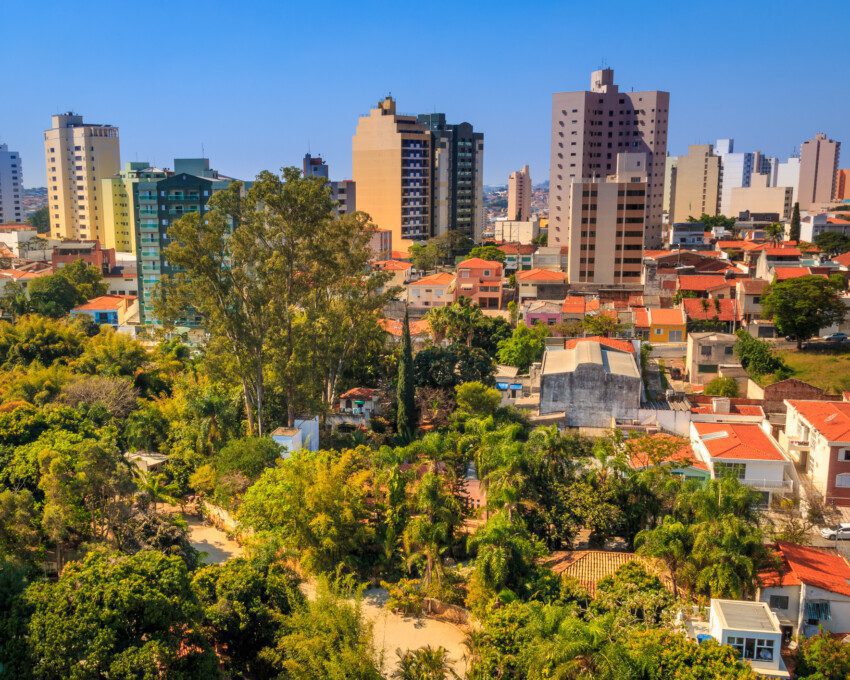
x=392 y=631
x=214 y=542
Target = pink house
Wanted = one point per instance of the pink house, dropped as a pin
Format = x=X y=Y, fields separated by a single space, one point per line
x=481 y=282
x=547 y=312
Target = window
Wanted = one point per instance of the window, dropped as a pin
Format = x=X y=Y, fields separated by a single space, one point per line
x=728 y=351
x=659 y=331
x=843 y=480
x=705 y=351
x=844 y=455
x=752 y=648
x=736 y=470
x=779 y=602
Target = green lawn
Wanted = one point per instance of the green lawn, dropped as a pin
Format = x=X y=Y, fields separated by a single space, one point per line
x=829 y=370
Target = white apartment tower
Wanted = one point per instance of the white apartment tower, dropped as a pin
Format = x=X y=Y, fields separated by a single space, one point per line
x=11 y=190
x=78 y=156
x=590 y=129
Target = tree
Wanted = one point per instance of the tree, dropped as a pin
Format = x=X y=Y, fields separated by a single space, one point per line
x=52 y=295
x=488 y=252
x=758 y=357
x=602 y=324
x=116 y=395
x=832 y=243
x=476 y=400
x=774 y=232
x=85 y=278
x=823 y=657
x=670 y=542
x=327 y=638
x=406 y=418
x=447 y=367
x=795 y=222
x=425 y=663
x=801 y=307
x=524 y=347
x=118 y=616
x=721 y=387
x=40 y=219
x=110 y=353
x=245 y=604
x=37 y=338
x=14 y=302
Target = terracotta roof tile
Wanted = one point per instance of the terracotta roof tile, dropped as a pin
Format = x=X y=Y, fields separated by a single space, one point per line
x=830 y=418
x=538 y=275
x=612 y=343
x=737 y=441
x=589 y=567
x=478 y=263
x=439 y=279
x=722 y=310
x=639 y=454
x=105 y=302
x=801 y=564
x=702 y=282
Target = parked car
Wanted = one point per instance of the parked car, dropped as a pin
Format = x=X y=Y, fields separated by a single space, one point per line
x=836 y=337
x=839 y=532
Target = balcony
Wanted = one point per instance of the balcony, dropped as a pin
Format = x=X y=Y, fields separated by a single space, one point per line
x=784 y=485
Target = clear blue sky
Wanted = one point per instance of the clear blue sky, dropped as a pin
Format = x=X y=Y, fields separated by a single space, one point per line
x=257 y=82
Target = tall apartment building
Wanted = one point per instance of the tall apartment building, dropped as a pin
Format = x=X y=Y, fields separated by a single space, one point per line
x=670 y=164
x=606 y=221
x=160 y=201
x=457 y=176
x=737 y=169
x=78 y=156
x=11 y=188
x=818 y=169
x=519 y=195
x=788 y=175
x=314 y=166
x=698 y=177
x=119 y=196
x=589 y=129
x=391 y=166
x=759 y=197
x=842 y=185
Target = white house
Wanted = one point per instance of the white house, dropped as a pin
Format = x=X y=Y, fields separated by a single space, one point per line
x=748 y=627
x=811 y=590
x=744 y=451
x=304 y=435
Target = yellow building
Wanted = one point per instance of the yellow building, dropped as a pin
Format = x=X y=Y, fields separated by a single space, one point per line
x=660 y=325
x=697 y=188
x=78 y=156
x=391 y=167
x=119 y=221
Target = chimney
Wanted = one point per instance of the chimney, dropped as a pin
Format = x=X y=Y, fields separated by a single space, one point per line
x=720 y=404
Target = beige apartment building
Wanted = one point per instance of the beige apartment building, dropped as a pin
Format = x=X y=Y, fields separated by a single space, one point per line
x=589 y=129
x=391 y=165
x=818 y=171
x=519 y=195
x=606 y=222
x=761 y=198
x=697 y=188
x=78 y=156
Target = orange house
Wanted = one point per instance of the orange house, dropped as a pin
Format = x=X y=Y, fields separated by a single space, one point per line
x=481 y=282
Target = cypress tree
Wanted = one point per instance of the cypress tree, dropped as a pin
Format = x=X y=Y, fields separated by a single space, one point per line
x=406 y=404
x=795 y=223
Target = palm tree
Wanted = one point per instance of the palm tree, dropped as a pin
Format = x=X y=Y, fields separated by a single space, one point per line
x=152 y=486
x=425 y=663
x=670 y=542
x=505 y=552
x=438 y=321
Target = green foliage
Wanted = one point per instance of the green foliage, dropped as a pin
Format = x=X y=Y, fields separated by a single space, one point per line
x=488 y=252
x=758 y=357
x=111 y=354
x=52 y=295
x=721 y=387
x=86 y=279
x=406 y=417
x=524 y=347
x=14 y=658
x=823 y=657
x=711 y=221
x=632 y=594
x=447 y=367
x=118 y=616
x=801 y=307
x=36 y=338
x=425 y=663
x=602 y=324
x=234 y=468
x=476 y=400
x=40 y=219
x=832 y=243
x=795 y=223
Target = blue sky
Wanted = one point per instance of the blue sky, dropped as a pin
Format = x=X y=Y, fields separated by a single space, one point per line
x=258 y=82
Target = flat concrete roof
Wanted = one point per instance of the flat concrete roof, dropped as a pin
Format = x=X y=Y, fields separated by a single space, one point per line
x=750 y=616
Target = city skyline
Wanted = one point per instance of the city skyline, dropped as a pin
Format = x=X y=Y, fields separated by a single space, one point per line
x=260 y=111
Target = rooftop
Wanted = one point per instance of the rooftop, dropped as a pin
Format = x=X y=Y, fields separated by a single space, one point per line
x=802 y=564
x=105 y=302
x=702 y=282
x=478 y=263
x=568 y=360
x=439 y=279
x=709 y=310
x=540 y=276
x=737 y=441
x=611 y=343
x=754 y=617
x=830 y=418
x=589 y=567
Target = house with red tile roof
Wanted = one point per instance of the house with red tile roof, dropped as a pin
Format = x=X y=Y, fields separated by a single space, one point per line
x=707 y=285
x=481 y=282
x=420 y=330
x=770 y=257
x=547 y=312
x=748 y=295
x=518 y=256
x=746 y=452
x=576 y=307
x=399 y=270
x=541 y=284
x=724 y=312
x=610 y=343
x=843 y=259
x=665 y=449
x=786 y=273
x=817 y=438
x=659 y=325
x=706 y=409
x=114 y=310
x=435 y=290
x=809 y=591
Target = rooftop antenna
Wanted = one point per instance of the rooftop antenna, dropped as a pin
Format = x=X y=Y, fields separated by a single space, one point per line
x=202 y=151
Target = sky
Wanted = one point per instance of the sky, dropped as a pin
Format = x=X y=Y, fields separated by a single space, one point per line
x=256 y=84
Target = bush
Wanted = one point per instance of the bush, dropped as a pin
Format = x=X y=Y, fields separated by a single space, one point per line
x=406 y=596
x=721 y=387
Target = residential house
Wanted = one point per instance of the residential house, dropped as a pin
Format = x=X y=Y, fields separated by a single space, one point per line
x=420 y=331
x=705 y=409
x=771 y=257
x=721 y=314
x=817 y=439
x=518 y=256
x=551 y=257
x=810 y=591
x=812 y=226
x=705 y=353
x=546 y=312
x=89 y=251
x=355 y=407
x=713 y=286
x=688 y=235
x=665 y=449
x=592 y=383
x=400 y=272
x=114 y=310
x=122 y=281
x=589 y=567
x=748 y=297
x=744 y=451
x=435 y=290
x=541 y=284
x=481 y=282
x=750 y=628
x=659 y=325
x=303 y=435
x=798 y=272
x=576 y=307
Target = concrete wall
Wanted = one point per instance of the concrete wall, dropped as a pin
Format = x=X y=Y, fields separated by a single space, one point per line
x=590 y=396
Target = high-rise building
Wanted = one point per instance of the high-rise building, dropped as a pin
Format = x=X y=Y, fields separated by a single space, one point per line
x=759 y=197
x=605 y=221
x=519 y=195
x=457 y=176
x=11 y=189
x=314 y=166
x=670 y=164
x=589 y=129
x=842 y=185
x=737 y=169
x=119 y=215
x=788 y=175
x=391 y=164
x=697 y=184
x=818 y=169
x=159 y=202
x=78 y=156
